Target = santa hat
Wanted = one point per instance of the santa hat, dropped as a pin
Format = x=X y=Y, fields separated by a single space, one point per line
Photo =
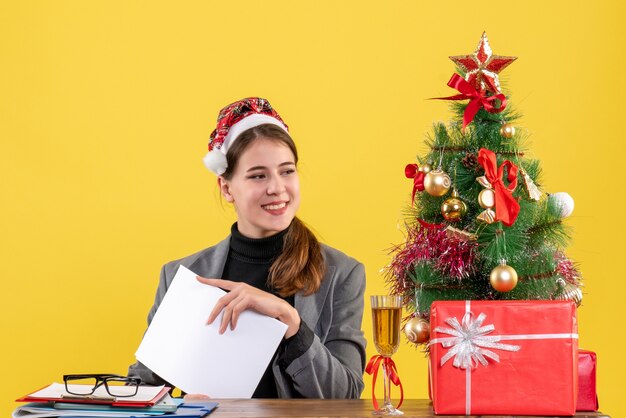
x=231 y=122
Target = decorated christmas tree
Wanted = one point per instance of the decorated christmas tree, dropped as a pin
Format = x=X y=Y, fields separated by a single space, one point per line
x=480 y=226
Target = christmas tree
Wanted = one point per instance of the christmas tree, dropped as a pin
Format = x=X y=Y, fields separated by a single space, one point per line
x=479 y=226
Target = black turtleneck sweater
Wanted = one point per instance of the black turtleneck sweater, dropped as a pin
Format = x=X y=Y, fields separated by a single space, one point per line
x=249 y=261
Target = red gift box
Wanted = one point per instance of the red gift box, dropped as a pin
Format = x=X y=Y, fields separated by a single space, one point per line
x=504 y=357
x=587 y=395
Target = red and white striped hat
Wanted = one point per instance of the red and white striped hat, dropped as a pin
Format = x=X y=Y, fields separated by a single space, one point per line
x=231 y=122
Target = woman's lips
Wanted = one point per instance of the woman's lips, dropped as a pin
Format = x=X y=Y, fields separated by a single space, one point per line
x=277 y=208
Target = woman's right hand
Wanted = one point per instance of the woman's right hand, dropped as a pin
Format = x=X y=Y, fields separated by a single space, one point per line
x=242 y=296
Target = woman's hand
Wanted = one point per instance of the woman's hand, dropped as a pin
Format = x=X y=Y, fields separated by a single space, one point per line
x=243 y=296
x=195 y=397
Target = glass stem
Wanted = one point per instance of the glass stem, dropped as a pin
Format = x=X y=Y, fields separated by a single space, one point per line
x=386 y=388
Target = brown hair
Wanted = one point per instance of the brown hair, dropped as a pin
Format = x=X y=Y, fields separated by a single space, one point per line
x=300 y=266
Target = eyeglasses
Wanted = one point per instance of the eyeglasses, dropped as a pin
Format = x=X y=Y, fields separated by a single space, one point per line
x=114 y=384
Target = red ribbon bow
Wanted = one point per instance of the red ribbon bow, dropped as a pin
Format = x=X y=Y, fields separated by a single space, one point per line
x=430 y=226
x=477 y=99
x=389 y=367
x=411 y=171
x=506 y=206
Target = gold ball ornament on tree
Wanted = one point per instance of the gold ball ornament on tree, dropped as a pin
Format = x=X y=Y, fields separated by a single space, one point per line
x=417 y=330
x=426 y=168
x=507 y=130
x=453 y=208
x=569 y=291
x=503 y=278
x=437 y=182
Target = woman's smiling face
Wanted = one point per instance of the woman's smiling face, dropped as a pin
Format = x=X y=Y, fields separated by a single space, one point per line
x=264 y=188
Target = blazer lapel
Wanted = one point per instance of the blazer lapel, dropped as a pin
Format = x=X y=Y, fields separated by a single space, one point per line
x=211 y=265
x=310 y=307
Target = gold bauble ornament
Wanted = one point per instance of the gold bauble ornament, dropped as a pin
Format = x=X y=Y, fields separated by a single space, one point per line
x=453 y=208
x=425 y=168
x=437 y=182
x=507 y=130
x=486 y=198
x=417 y=330
x=503 y=278
x=569 y=291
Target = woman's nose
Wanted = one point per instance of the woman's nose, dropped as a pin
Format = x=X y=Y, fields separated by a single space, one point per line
x=276 y=185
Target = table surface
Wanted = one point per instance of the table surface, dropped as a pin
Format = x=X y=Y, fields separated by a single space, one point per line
x=241 y=408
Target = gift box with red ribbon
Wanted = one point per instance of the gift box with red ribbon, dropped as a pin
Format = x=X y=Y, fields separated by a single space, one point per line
x=587 y=395
x=504 y=357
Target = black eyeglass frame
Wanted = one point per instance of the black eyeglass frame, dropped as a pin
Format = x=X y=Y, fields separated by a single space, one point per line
x=103 y=379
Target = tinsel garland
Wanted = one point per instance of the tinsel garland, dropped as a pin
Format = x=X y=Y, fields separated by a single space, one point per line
x=567 y=269
x=452 y=257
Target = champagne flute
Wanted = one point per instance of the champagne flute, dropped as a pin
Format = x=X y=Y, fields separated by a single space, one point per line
x=386 y=317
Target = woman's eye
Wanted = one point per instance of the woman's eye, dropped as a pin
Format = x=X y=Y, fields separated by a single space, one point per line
x=288 y=172
x=256 y=176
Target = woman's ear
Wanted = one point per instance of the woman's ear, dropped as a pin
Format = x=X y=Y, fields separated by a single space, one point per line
x=225 y=189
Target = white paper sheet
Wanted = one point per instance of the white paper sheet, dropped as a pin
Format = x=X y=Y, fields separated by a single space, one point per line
x=183 y=350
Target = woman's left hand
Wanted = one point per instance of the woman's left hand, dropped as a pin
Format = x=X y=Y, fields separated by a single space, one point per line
x=242 y=296
x=190 y=397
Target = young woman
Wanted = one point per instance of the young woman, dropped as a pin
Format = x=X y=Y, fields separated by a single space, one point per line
x=273 y=264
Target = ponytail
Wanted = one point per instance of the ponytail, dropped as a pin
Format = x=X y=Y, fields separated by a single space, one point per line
x=300 y=267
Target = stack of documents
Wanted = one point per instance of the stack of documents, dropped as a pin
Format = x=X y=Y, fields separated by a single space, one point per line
x=150 y=401
x=52 y=410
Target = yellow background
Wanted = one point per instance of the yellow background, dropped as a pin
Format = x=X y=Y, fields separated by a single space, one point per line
x=106 y=107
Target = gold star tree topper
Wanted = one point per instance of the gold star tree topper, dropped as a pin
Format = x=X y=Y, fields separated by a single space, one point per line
x=482 y=67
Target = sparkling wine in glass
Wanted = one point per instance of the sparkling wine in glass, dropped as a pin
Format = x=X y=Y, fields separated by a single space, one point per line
x=386 y=317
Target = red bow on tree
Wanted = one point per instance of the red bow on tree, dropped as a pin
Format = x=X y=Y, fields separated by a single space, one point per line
x=389 y=367
x=477 y=100
x=430 y=226
x=506 y=206
x=411 y=171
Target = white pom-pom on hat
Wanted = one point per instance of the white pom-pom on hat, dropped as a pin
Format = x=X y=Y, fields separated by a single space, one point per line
x=215 y=161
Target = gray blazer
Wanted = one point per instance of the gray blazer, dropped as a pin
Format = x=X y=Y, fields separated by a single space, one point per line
x=333 y=366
